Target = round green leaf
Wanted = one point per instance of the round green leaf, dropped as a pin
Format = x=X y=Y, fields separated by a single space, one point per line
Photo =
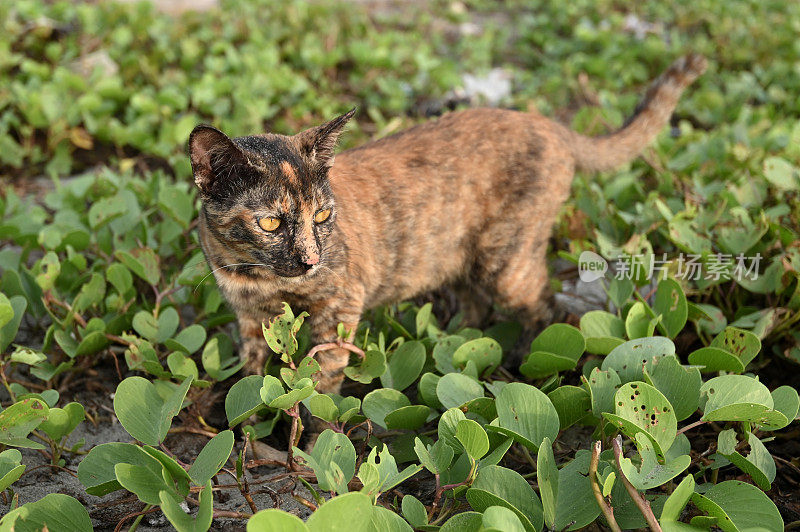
x=378 y=403
x=499 y=486
x=714 y=359
x=409 y=417
x=572 y=403
x=414 y=511
x=405 y=365
x=443 y=353
x=739 y=506
x=485 y=353
x=603 y=331
x=143 y=413
x=576 y=506
x=351 y=512
x=275 y=519
x=526 y=414
x=55 y=511
x=671 y=305
x=455 y=389
x=502 y=519
x=243 y=399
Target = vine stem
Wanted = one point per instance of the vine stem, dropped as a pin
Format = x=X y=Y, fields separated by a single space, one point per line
x=691 y=426
x=608 y=510
x=641 y=502
x=353 y=348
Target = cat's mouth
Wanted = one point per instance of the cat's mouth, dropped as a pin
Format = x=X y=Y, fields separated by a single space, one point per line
x=305 y=270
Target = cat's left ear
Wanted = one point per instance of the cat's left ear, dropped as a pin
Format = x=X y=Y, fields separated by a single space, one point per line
x=318 y=143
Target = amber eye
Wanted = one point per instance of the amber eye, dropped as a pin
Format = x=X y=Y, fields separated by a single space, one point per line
x=269 y=224
x=321 y=216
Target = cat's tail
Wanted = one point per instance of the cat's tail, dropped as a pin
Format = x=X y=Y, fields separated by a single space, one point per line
x=651 y=115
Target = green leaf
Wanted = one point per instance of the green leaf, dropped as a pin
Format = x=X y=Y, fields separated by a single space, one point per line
x=547 y=479
x=576 y=506
x=464 y=522
x=120 y=277
x=96 y=470
x=642 y=408
x=322 y=406
x=473 y=438
x=281 y=333
x=381 y=472
x=19 y=420
x=629 y=359
x=331 y=448
x=405 y=365
x=498 y=486
x=671 y=305
x=410 y=417
x=244 y=399
x=61 y=422
x=652 y=474
x=9 y=331
x=351 y=512
x=289 y=399
x=758 y=463
x=218 y=358
x=602 y=386
x=714 y=359
x=502 y=519
x=455 y=389
x=787 y=402
x=104 y=210
x=435 y=458
x=156 y=330
x=378 y=403
x=414 y=511
x=448 y=422
x=275 y=519
x=181 y=365
x=183 y=522
x=177 y=203
x=742 y=344
x=677 y=500
x=739 y=506
x=55 y=511
x=144 y=482
x=6 y=310
x=143 y=413
x=603 y=331
x=739 y=398
x=422 y=319
x=143 y=262
x=10 y=468
x=211 y=458
x=679 y=384
x=781 y=173
x=371 y=367
x=485 y=353
x=188 y=340
x=639 y=322
x=443 y=353
x=526 y=415
x=572 y=404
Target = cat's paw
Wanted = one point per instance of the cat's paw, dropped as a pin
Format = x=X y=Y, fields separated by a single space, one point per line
x=255 y=354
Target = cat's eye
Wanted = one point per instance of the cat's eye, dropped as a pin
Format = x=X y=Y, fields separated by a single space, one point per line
x=321 y=216
x=269 y=224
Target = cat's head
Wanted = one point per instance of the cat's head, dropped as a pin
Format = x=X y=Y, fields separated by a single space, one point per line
x=267 y=200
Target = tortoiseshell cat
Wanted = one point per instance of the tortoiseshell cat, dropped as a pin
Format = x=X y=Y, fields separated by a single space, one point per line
x=472 y=194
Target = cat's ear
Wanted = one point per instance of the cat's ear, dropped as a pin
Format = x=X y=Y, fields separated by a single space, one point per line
x=319 y=142
x=211 y=151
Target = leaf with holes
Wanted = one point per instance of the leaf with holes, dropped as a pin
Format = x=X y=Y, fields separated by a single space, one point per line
x=642 y=408
x=602 y=386
x=758 y=463
x=628 y=359
x=743 y=344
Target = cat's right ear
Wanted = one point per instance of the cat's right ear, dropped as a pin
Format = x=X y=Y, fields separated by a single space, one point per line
x=210 y=151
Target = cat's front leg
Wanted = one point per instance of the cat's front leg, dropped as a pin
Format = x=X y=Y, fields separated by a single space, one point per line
x=254 y=350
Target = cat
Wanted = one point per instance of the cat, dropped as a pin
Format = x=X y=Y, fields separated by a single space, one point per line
x=473 y=194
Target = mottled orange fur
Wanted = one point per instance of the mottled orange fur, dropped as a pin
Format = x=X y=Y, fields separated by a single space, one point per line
x=472 y=195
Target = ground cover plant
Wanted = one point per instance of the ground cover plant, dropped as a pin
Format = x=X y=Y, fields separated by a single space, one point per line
x=669 y=405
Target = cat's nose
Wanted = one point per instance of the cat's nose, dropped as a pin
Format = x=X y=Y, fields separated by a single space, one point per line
x=310 y=260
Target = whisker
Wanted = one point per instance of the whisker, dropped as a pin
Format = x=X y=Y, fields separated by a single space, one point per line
x=227 y=266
